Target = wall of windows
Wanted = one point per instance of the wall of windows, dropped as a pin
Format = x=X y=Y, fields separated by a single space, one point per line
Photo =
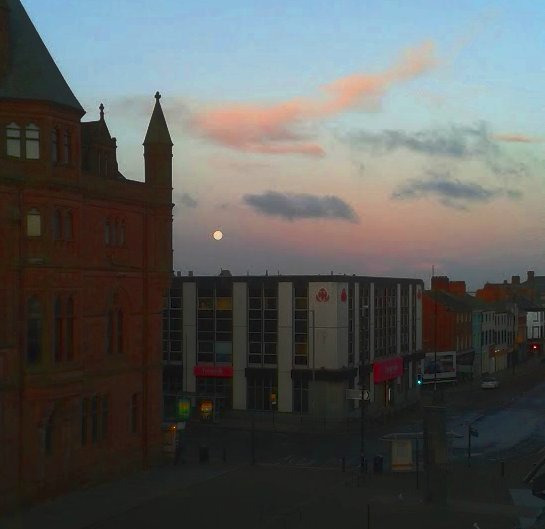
x=364 y=315
x=262 y=325
x=260 y=387
x=351 y=340
x=300 y=326
x=385 y=320
x=95 y=418
x=215 y=324
x=219 y=389
x=173 y=327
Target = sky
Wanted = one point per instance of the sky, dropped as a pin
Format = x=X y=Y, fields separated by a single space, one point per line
x=368 y=138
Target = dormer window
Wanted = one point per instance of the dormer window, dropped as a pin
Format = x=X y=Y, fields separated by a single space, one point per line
x=13 y=135
x=32 y=142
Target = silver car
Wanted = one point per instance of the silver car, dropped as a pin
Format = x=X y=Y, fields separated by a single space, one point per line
x=489 y=383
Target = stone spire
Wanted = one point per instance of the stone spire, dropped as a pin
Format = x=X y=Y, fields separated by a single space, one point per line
x=158 y=130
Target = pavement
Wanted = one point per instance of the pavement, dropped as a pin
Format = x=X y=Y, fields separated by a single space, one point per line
x=298 y=481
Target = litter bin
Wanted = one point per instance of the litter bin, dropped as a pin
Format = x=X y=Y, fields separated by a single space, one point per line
x=203 y=454
x=378 y=464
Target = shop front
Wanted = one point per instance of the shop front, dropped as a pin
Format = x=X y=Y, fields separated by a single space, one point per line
x=214 y=384
x=385 y=373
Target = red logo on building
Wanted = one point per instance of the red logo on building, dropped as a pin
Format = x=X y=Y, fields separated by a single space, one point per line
x=322 y=295
x=343 y=295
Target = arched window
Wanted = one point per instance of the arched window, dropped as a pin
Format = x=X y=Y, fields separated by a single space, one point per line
x=68 y=226
x=57 y=225
x=69 y=328
x=33 y=223
x=110 y=332
x=113 y=233
x=32 y=142
x=55 y=145
x=57 y=330
x=119 y=331
x=13 y=138
x=34 y=331
x=107 y=238
x=66 y=147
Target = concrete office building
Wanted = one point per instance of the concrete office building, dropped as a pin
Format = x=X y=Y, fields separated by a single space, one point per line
x=248 y=341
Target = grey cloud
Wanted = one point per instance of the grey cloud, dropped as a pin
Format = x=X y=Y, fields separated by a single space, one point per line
x=455 y=142
x=187 y=200
x=293 y=206
x=451 y=192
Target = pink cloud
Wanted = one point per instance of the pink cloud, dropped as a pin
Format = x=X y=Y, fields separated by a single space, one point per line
x=274 y=129
x=517 y=138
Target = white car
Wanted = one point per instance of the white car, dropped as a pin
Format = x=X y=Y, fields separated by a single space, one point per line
x=489 y=383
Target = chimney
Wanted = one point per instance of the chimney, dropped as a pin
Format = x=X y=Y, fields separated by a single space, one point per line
x=531 y=275
x=4 y=38
x=515 y=280
x=457 y=287
x=178 y=274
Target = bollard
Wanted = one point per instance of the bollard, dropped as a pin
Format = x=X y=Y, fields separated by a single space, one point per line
x=368 y=516
x=502 y=468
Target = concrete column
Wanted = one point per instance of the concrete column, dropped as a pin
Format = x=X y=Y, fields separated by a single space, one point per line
x=371 y=338
x=285 y=346
x=189 y=358
x=240 y=344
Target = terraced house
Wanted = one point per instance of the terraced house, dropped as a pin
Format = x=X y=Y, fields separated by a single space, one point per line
x=85 y=260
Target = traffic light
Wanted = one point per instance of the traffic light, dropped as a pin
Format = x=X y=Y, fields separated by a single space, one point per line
x=419 y=379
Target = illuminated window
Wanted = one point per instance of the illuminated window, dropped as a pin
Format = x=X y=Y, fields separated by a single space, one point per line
x=32 y=142
x=13 y=137
x=33 y=223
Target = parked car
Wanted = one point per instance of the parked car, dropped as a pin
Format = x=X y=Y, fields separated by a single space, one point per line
x=489 y=383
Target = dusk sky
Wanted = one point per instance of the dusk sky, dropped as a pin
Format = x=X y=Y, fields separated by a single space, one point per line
x=369 y=138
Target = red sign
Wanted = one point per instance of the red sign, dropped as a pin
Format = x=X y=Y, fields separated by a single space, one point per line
x=387 y=369
x=213 y=371
x=343 y=295
x=322 y=295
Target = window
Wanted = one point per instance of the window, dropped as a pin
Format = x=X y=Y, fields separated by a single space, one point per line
x=107 y=233
x=32 y=140
x=134 y=413
x=69 y=328
x=57 y=225
x=260 y=388
x=33 y=223
x=66 y=146
x=48 y=435
x=55 y=145
x=84 y=420
x=110 y=332
x=119 y=330
x=300 y=393
x=13 y=138
x=68 y=226
x=34 y=331
x=104 y=419
x=94 y=419
x=57 y=330
x=121 y=237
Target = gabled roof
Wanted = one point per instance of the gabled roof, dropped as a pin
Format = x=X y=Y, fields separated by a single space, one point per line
x=158 y=130
x=32 y=72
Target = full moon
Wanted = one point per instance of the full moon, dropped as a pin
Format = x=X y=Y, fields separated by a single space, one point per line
x=218 y=235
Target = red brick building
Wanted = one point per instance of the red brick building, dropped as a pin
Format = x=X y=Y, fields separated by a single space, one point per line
x=446 y=322
x=85 y=260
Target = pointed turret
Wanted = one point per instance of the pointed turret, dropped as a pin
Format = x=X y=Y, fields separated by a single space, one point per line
x=158 y=150
x=27 y=70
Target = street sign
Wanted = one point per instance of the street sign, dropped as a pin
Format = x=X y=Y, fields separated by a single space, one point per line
x=357 y=394
x=353 y=394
